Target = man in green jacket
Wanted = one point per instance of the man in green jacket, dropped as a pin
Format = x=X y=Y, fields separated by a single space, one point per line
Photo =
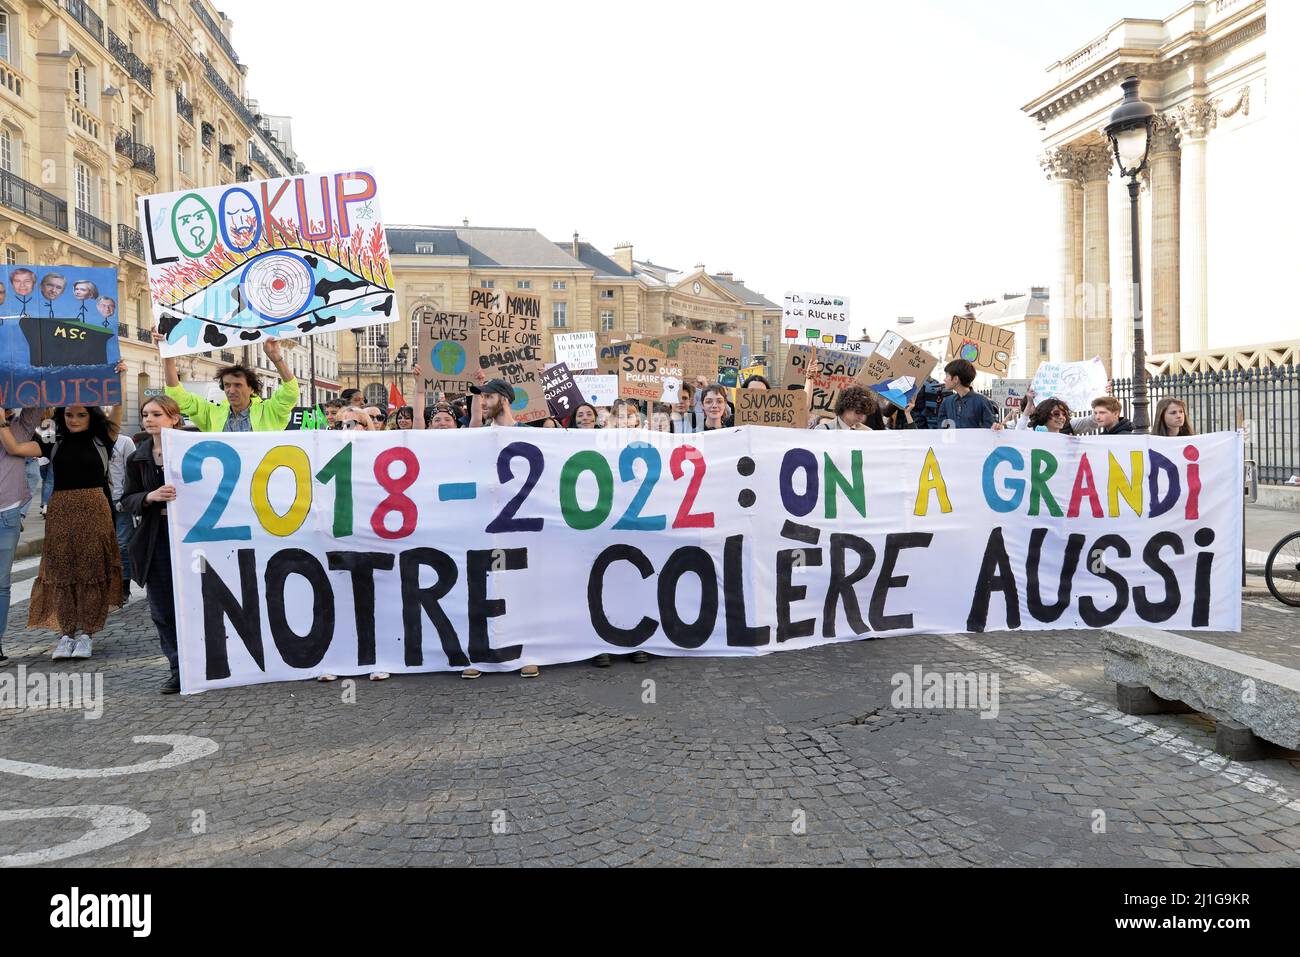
x=243 y=410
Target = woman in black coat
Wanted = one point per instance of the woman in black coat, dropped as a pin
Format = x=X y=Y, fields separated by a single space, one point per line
x=145 y=495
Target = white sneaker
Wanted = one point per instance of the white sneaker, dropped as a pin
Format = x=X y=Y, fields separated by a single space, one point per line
x=63 y=649
x=83 y=647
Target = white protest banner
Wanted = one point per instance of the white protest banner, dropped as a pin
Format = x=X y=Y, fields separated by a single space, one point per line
x=577 y=350
x=1074 y=383
x=297 y=554
x=231 y=265
x=814 y=319
x=599 y=390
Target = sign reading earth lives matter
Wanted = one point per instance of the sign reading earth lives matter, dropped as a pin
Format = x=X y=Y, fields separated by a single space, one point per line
x=510 y=346
x=448 y=350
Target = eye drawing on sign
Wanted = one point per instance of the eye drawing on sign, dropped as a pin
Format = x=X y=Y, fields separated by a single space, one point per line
x=276 y=259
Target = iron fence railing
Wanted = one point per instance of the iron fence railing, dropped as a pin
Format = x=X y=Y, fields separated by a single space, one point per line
x=1265 y=402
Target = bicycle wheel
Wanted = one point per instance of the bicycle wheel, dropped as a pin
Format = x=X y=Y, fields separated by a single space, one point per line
x=1283 y=571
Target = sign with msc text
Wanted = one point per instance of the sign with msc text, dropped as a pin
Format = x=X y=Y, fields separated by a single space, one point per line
x=305 y=553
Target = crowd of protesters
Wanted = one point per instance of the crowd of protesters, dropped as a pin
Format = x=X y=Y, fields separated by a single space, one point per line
x=104 y=495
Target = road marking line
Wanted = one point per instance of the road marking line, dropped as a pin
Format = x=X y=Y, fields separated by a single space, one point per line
x=22 y=591
x=1166 y=739
x=1256 y=557
x=1277 y=609
x=109 y=824
x=185 y=748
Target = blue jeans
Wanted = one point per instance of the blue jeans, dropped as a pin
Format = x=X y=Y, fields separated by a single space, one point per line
x=47 y=477
x=33 y=484
x=10 y=525
x=162 y=600
x=125 y=526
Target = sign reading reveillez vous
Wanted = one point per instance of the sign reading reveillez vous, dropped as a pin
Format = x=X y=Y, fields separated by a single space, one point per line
x=512 y=547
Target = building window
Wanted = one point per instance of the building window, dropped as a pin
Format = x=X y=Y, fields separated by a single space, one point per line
x=559 y=314
x=182 y=158
x=6 y=30
x=487 y=284
x=559 y=285
x=524 y=284
x=81 y=86
x=85 y=189
x=6 y=151
x=11 y=256
x=1042 y=347
x=137 y=126
x=607 y=294
x=424 y=249
x=767 y=345
x=607 y=320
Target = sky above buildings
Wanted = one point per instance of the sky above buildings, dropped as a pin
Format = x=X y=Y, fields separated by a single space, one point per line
x=875 y=150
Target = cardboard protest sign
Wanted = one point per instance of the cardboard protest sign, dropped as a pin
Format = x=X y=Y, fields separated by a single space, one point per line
x=609 y=350
x=833 y=372
x=777 y=408
x=988 y=348
x=599 y=390
x=562 y=393
x=645 y=374
x=251 y=561
x=815 y=319
x=1074 y=383
x=306 y=418
x=897 y=369
x=448 y=348
x=232 y=265
x=577 y=350
x=698 y=360
x=1007 y=393
x=510 y=346
x=58 y=337
x=799 y=362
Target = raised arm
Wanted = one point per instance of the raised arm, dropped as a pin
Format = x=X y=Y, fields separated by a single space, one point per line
x=118 y=411
x=418 y=406
x=476 y=403
x=273 y=352
x=25 y=450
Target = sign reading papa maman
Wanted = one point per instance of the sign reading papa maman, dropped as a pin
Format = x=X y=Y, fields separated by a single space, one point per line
x=306 y=553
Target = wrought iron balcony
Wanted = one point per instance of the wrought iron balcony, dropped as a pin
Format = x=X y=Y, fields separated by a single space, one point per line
x=227 y=357
x=214 y=29
x=87 y=17
x=129 y=61
x=152 y=5
x=20 y=195
x=94 y=230
x=130 y=242
x=123 y=331
x=228 y=155
x=245 y=173
x=141 y=156
x=184 y=108
x=260 y=158
x=207 y=131
x=232 y=99
x=144 y=335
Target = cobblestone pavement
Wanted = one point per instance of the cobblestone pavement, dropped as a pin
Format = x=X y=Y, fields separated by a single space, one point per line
x=795 y=758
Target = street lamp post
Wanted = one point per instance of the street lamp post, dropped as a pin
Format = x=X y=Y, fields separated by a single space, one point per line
x=402 y=355
x=1129 y=132
x=357 y=335
x=382 y=345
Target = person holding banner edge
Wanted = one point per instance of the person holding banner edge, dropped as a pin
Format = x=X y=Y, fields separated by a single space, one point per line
x=243 y=410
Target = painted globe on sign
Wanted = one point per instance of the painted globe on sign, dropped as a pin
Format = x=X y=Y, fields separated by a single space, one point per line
x=970 y=351
x=521 y=400
x=449 y=358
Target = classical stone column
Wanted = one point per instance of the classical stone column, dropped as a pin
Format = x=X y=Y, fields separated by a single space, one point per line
x=1095 y=166
x=1162 y=315
x=1066 y=323
x=1195 y=120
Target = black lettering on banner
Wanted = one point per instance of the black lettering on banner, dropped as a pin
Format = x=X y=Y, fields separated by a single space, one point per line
x=362 y=567
x=1092 y=616
x=607 y=631
x=996 y=561
x=894 y=544
x=220 y=605
x=299 y=651
x=417 y=600
x=479 y=564
x=787 y=592
x=1157 y=612
x=739 y=633
x=842 y=585
x=696 y=561
x=1204 y=565
x=1033 y=571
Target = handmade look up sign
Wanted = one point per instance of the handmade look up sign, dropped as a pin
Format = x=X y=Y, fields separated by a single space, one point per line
x=304 y=553
x=231 y=265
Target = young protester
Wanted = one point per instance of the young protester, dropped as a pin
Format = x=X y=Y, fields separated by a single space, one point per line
x=685 y=418
x=716 y=410
x=378 y=417
x=80 y=576
x=442 y=416
x=123 y=522
x=625 y=414
x=145 y=497
x=242 y=410
x=15 y=493
x=1031 y=419
x=660 y=421
x=854 y=407
x=1107 y=411
x=756 y=382
x=404 y=418
x=896 y=418
x=964 y=409
x=584 y=417
x=491 y=404
x=352 y=398
x=603 y=418
x=1052 y=416
x=1172 y=419
x=354 y=419
x=332 y=409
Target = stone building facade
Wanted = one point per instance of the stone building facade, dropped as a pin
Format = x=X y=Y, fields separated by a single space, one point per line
x=1209 y=295
x=581 y=287
x=102 y=102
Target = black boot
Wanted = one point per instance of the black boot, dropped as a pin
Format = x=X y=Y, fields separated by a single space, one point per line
x=173 y=685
